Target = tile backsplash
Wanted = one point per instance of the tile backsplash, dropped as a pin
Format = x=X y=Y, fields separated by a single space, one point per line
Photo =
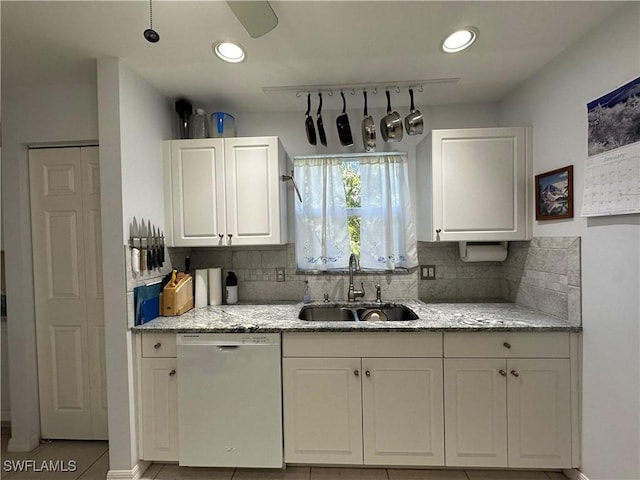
x=543 y=273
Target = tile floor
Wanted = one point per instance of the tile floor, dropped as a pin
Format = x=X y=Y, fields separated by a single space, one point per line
x=92 y=462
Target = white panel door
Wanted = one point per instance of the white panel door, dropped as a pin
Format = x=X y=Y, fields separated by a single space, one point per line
x=197 y=175
x=159 y=409
x=94 y=291
x=253 y=187
x=480 y=185
x=475 y=412
x=402 y=411
x=322 y=410
x=539 y=419
x=57 y=222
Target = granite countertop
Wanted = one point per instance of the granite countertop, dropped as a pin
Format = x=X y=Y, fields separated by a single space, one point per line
x=283 y=317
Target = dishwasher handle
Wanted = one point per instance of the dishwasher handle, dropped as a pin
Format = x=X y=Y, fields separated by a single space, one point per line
x=228 y=347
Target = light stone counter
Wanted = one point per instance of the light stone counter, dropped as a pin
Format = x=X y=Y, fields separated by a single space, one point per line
x=283 y=317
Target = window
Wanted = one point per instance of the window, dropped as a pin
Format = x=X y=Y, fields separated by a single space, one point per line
x=354 y=204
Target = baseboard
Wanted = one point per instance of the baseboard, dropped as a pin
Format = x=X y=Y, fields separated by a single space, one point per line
x=134 y=474
x=574 y=474
x=22 y=445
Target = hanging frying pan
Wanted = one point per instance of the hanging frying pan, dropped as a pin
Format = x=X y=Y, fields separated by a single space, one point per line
x=413 y=122
x=308 y=123
x=391 y=124
x=342 y=122
x=321 y=134
x=368 y=129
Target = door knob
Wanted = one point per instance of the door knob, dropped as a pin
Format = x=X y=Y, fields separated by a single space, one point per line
x=506 y=345
x=157 y=345
x=502 y=372
x=356 y=373
x=367 y=373
x=514 y=373
x=172 y=373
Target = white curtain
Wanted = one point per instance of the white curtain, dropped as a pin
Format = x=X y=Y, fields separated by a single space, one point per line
x=387 y=230
x=322 y=235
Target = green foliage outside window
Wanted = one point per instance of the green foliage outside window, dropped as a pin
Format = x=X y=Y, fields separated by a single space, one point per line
x=351 y=176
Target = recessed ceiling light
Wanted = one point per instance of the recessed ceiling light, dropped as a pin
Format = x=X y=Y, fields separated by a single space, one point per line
x=460 y=39
x=229 y=52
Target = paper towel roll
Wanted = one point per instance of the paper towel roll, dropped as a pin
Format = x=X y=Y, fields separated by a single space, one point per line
x=483 y=253
x=201 y=288
x=215 y=286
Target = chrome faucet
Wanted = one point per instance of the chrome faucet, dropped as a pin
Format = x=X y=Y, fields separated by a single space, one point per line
x=352 y=294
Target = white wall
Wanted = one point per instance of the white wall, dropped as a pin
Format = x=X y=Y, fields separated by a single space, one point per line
x=554 y=103
x=57 y=114
x=134 y=119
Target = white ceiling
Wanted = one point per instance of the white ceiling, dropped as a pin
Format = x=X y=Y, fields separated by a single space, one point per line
x=315 y=42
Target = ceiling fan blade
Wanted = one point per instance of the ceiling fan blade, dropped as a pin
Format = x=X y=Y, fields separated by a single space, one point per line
x=257 y=17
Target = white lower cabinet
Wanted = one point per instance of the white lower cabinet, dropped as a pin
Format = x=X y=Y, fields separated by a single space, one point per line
x=363 y=410
x=159 y=398
x=508 y=412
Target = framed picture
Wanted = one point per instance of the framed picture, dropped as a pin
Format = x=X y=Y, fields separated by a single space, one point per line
x=554 y=194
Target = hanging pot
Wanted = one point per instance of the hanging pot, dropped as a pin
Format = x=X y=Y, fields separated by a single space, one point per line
x=368 y=129
x=321 y=134
x=342 y=122
x=391 y=124
x=413 y=122
x=308 y=123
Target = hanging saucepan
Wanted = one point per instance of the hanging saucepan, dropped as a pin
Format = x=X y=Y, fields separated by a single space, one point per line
x=308 y=123
x=413 y=122
x=391 y=124
x=368 y=129
x=342 y=122
x=321 y=134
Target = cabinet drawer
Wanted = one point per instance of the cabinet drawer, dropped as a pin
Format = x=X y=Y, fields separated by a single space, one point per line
x=159 y=345
x=507 y=344
x=370 y=344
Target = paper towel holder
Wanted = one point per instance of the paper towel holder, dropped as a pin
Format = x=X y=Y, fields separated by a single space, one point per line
x=462 y=246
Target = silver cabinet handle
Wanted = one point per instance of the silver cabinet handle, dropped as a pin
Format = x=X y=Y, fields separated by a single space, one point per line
x=514 y=373
x=502 y=372
x=367 y=373
x=220 y=235
x=356 y=373
x=506 y=345
x=157 y=345
x=172 y=373
x=438 y=230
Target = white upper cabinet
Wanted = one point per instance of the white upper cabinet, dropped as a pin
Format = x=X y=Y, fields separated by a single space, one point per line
x=223 y=192
x=474 y=185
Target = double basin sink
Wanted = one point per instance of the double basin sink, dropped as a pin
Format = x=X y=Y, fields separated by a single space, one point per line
x=391 y=312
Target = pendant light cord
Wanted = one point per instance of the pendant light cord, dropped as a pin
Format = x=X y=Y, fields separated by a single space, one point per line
x=151 y=14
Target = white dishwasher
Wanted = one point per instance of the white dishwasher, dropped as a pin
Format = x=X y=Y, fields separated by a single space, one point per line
x=229 y=400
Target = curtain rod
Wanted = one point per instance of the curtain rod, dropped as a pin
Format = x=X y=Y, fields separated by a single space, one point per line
x=349 y=155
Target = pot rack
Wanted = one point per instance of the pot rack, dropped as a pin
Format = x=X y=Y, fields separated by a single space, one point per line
x=372 y=87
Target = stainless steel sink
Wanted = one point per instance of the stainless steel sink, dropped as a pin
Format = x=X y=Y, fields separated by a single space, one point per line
x=326 y=313
x=357 y=312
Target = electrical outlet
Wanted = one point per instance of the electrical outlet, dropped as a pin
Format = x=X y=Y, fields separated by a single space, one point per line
x=280 y=274
x=428 y=272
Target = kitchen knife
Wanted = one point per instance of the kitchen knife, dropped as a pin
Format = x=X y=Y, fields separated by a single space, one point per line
x=161 y=248
x=143 y=246
x=154 y=247
x=135 y=253
x=150 y=264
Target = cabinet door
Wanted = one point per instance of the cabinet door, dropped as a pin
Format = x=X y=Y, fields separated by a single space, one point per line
x=402 y=411
x=159 y=409
x=480 y=184
x=475 y=412
x=322 y=410
x=197 y=188
x=539 y=418
x=253 y=191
